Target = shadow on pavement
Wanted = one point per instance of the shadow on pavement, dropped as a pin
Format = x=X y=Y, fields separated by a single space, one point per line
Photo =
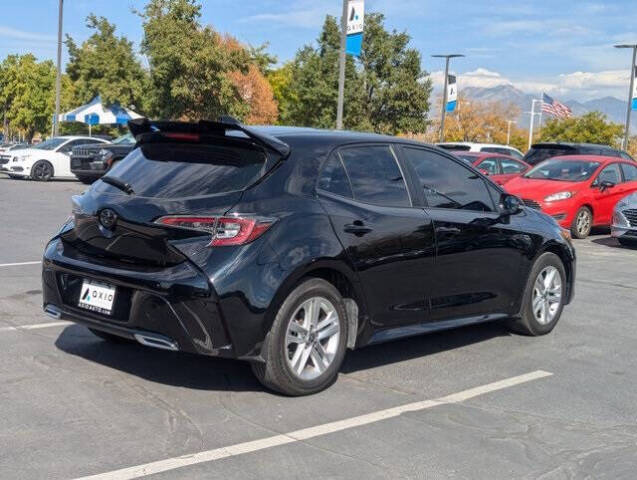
x=607 y=242
x=209 y=373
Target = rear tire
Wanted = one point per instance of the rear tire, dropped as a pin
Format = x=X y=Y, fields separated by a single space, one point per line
x=544 y=297
x=306 y=345
x=109 y=337
x=582 y=223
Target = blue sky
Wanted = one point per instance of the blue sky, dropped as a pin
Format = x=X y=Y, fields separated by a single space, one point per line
x=563 y=47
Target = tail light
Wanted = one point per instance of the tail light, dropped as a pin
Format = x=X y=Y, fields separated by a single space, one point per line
x=225 y=231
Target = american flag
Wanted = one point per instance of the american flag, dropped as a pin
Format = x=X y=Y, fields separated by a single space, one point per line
x=555 y=108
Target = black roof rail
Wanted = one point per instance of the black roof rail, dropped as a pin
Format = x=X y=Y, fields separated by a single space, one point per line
x=141 y=126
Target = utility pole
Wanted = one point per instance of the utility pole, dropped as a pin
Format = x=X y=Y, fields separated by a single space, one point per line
x=58 y=79
x=341 y=69
x=509 y=122
x=443 y=110
x=630 y=93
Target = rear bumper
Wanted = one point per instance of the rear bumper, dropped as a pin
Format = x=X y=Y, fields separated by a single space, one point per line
x=175 y=305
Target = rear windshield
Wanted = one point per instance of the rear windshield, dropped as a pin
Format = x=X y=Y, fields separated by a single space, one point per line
x=539 y=154
x=564 y=170
x=166 y=170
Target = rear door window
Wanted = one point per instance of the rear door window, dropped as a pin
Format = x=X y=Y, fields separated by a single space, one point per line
x=167 y=170
x=333 y=177
x=446 y=183
x=611 y=173
x=375 y=176
x=490 y=165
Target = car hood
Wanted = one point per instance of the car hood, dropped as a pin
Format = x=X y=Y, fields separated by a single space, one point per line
x=21 y=152
x=540 y=189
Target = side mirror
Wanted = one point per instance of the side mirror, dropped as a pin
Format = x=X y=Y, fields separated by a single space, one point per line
x=510 y=204
x=606 y=184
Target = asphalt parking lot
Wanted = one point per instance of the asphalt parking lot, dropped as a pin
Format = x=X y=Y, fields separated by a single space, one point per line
x=472 y=403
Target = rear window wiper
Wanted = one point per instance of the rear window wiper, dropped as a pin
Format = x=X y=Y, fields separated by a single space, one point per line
x=116 y=182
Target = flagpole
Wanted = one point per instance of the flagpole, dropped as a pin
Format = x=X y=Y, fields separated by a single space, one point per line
x=535 y=100
x=630 y=94
x=341 y=69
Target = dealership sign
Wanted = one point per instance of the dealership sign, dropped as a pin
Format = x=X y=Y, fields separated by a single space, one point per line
x=452 y=93
x=355 y=26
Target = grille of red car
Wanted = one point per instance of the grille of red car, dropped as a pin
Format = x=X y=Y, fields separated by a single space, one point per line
x=631 y=216
x=531 y=203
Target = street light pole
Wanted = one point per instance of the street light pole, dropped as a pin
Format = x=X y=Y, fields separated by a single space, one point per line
x=58 y=78
x=630 y=93
x=509 y=122
x=443 y=110
x=341 y=69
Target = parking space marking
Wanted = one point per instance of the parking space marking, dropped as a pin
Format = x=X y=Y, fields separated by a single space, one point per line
x=19 y=264
x=308 y=433
x=35 y=326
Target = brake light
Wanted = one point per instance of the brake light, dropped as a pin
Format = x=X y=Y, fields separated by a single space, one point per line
x=225 y=231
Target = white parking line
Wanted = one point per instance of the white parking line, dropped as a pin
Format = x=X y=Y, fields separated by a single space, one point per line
x=34 y=326
x=19 y=264
x=308 y=433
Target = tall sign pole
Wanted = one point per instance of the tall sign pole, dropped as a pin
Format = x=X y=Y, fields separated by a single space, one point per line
x=443 y=110
x=341 y=69
x=352 y=24
x=58 y=78
x=631 y=94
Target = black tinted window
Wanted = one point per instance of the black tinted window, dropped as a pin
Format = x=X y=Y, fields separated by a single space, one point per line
x=375 y=176
x=448 y=184
x=334 y=179
x=630 y=172
x=537 y=155
x=187 y=170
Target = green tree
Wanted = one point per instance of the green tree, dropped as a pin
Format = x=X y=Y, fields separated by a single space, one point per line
x=27 y=94
x=386 y=90
x=592 y=127
x=189 y=65
x=280 y=79
x=105 y=65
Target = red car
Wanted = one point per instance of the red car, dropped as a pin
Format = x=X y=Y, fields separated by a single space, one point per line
x=579 y=191
x=500 y=168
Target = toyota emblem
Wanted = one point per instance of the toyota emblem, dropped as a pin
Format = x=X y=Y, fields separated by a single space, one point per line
x=108 y=218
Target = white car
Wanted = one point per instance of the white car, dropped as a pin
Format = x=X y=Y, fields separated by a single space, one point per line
x=482 y=147
x=47 y=160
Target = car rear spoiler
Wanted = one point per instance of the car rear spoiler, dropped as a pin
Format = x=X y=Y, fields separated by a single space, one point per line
x=141 y=126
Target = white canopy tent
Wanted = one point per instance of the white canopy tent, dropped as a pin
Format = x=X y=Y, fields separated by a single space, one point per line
x=96 y=113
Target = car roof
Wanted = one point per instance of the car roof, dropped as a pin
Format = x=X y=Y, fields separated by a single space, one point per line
x=571 y=144
x=297 y=136
x=478 y=144
x=483 y=154
x=603 y=159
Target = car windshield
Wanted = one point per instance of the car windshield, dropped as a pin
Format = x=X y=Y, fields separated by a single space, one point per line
x=127 y=139
x=51 y=143
x=564 y=170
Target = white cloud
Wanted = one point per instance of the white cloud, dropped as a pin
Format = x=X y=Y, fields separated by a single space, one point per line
x=8 y=32
x=575 y=85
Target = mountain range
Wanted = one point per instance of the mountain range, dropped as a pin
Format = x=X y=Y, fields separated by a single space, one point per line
x=612 y=107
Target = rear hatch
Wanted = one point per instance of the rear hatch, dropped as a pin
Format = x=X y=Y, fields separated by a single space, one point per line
x=185 y=174
x=540 y=152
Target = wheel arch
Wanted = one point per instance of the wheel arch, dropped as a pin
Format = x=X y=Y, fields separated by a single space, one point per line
x=343 y=278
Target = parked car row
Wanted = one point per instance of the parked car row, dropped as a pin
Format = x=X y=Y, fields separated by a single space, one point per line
x=86 y=158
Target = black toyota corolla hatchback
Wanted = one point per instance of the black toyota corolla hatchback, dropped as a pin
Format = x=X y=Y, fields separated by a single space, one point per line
x=287 y=246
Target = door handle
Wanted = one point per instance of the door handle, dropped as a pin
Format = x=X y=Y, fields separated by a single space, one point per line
x=358 y=228
x=448 y=230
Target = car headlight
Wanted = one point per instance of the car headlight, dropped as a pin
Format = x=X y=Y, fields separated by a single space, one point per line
x=558 y=196
x=105 y=154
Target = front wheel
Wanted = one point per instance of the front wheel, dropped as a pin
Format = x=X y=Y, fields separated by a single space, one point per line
x=306 y=345
x=42 y=171
x=543 y=297
x=582 y=223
